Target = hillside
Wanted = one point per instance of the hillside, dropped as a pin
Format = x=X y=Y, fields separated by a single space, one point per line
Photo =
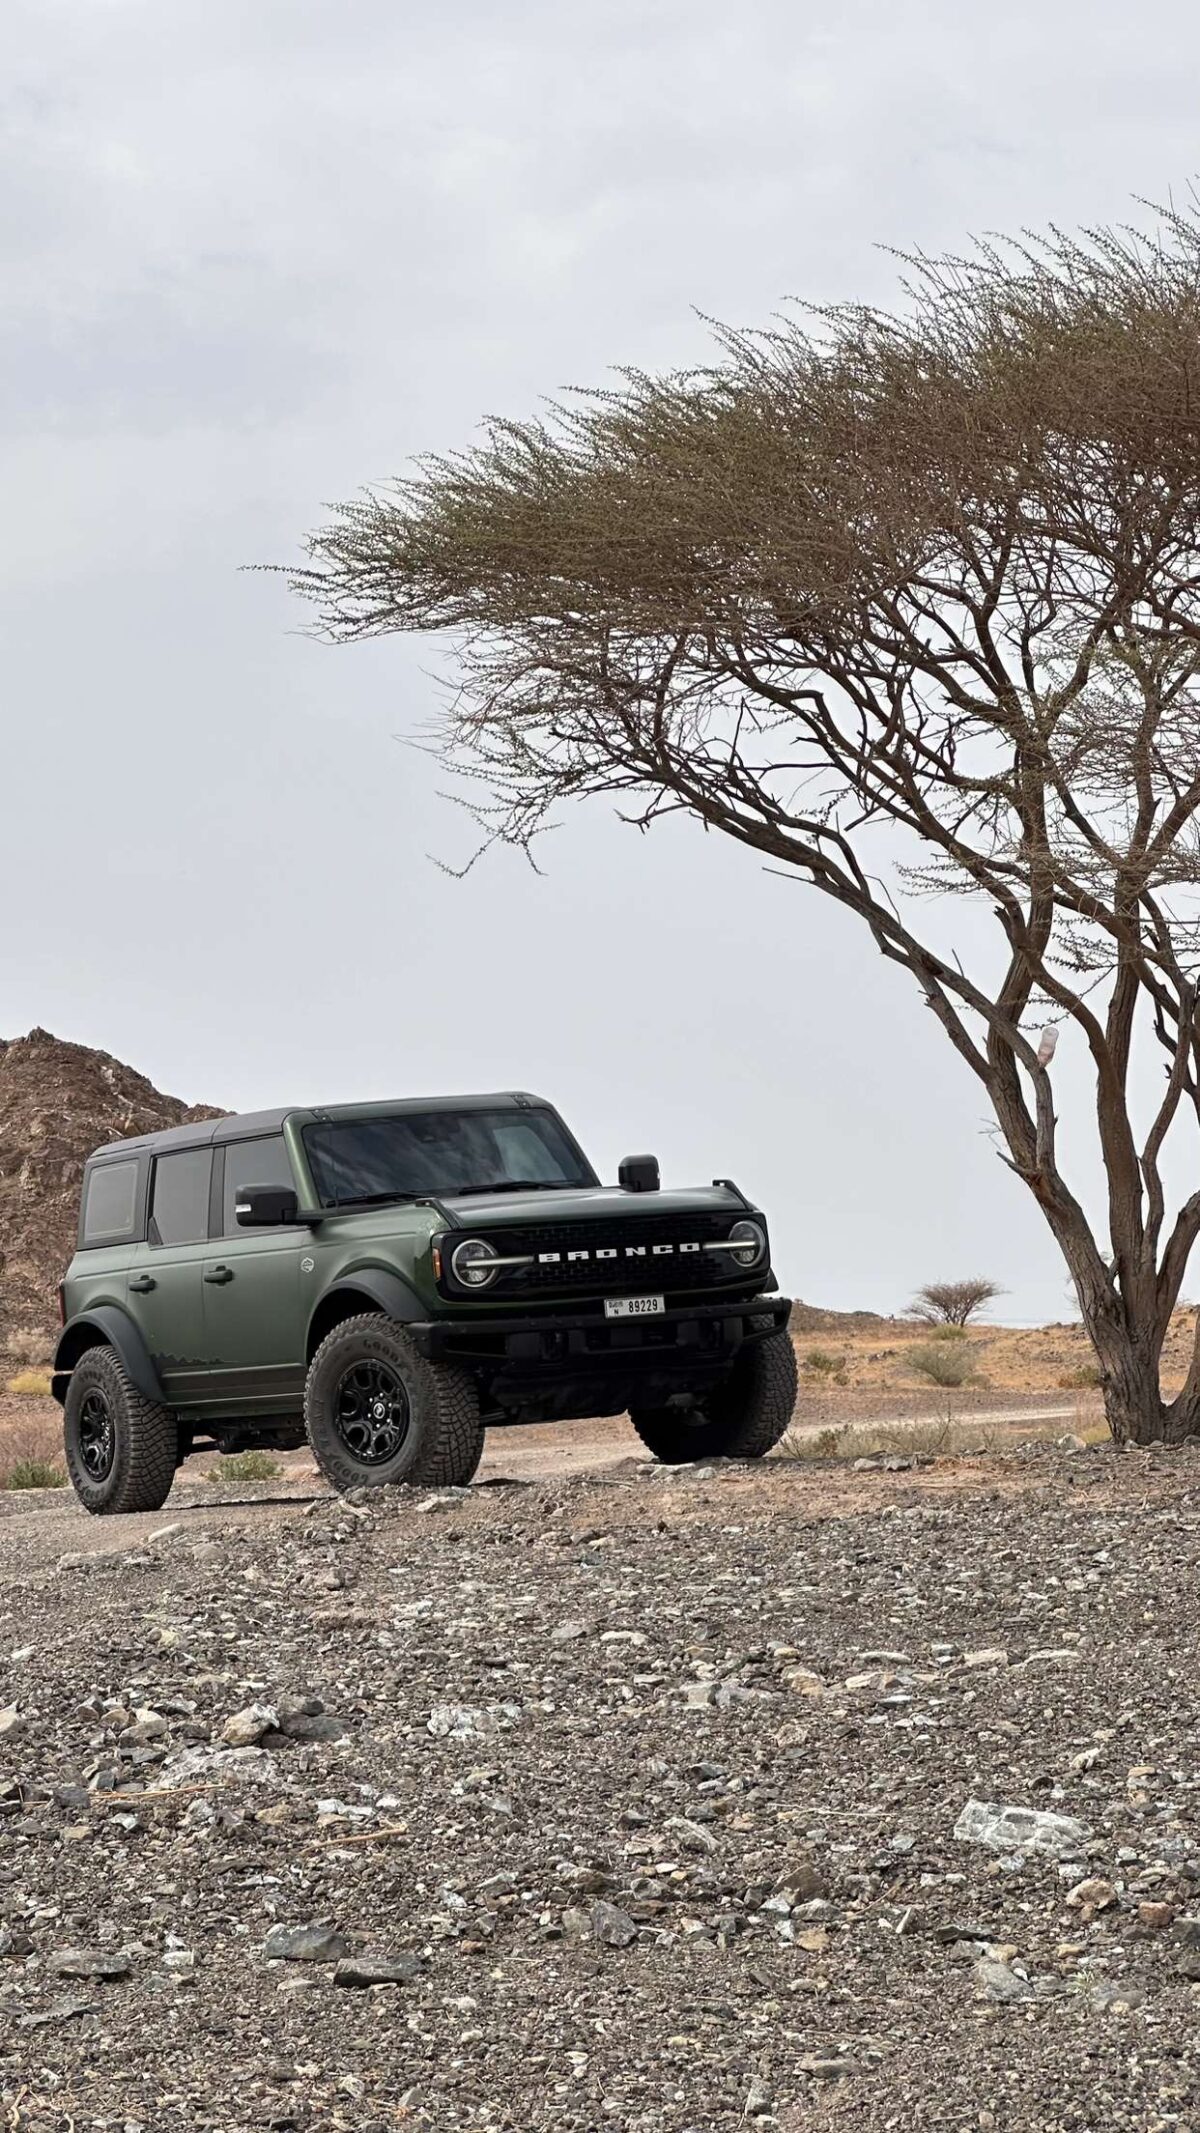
x=58 y=1101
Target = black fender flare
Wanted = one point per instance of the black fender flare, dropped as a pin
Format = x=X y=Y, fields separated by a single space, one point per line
x=393 y=1296
x=105 y=1324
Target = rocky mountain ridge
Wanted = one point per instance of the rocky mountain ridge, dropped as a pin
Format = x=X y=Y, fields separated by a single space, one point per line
x=58 y=1101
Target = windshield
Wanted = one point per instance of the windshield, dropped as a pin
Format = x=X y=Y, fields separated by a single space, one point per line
x=362 y=1159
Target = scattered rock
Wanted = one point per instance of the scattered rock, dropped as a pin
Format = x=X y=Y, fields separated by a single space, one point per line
x=1021 y=1829
x=308 y=1720
x=89 y=1963
x=460 y=1721
x=249 y=1766
x=802 y=1681
x=612 y=1925
x=367 y=1970
x=995 y=1981
x=1091 y=1896
x=246 y=1728
x=65 y=2010
x=317 y=1943
x=1117 y=1999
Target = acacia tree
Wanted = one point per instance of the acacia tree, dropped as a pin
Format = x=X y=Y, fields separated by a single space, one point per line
x=910 y=605
x=953 y=1303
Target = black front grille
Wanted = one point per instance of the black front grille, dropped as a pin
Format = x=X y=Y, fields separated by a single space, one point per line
x=635 y=1267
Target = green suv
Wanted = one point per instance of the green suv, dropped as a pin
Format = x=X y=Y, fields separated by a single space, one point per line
x=388 y=1280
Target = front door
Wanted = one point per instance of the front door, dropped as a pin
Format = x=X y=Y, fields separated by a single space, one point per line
x=254 y=1312
x=166 y=1278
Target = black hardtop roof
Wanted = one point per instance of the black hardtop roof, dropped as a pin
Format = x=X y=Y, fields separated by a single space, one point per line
x=251 y=1125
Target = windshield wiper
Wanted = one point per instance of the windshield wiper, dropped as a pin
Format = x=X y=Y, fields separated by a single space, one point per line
x=508 y=1185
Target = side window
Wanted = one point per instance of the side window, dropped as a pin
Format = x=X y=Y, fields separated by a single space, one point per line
x=264 y=1162
x=179 y=1197
x=110 y=1204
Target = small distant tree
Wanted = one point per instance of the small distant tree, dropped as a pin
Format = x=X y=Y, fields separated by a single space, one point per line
x=908 y=604
x=952 y=1303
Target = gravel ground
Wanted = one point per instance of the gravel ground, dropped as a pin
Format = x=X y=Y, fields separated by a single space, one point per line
x=634 y=1794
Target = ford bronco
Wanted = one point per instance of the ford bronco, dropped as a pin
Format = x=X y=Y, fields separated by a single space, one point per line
x=388 y=1280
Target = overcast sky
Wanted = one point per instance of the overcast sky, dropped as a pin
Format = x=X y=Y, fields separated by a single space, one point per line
x=255 y=254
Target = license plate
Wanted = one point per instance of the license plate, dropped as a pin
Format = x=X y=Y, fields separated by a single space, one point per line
x=634 y=1306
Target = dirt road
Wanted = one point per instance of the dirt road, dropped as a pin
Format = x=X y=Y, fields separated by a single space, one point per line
x=43 y=1525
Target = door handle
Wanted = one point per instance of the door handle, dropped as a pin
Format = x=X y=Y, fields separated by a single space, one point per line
x=218 y=1274
x=142 y=1284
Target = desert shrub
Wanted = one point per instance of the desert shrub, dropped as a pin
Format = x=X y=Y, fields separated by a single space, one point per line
x=32 y=1474
x=944 y=1364
x=27 y=1344
x=32 y=1442
x=245 y=1466
x=30 y=1383
x=947 y=1333
x=826 y=1444
x=825 y=1365
x=1088 y=1374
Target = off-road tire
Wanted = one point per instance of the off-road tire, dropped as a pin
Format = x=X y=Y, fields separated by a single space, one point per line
x=443 y=1443
x=145 y=1439
x=742 y=1419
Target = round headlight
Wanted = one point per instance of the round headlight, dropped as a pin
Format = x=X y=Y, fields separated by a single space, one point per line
x=749 y=1243
x=472 y=1263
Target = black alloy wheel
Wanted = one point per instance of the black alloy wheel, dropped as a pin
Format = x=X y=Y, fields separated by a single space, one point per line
x=377 y=1412
x=371 y=1413
x=97 y=1435
x=121 y=1448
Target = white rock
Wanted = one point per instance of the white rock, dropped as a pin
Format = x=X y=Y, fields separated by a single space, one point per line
x=1021 y=1829
x=251 y=1766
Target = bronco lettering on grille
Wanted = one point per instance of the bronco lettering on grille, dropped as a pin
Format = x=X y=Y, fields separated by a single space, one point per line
x=609 y=1251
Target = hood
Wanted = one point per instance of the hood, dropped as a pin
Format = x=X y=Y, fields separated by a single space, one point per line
x=586 y=1203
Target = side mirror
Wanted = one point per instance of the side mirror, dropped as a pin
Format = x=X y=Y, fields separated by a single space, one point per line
x=266 y=1207
x=639 y=1173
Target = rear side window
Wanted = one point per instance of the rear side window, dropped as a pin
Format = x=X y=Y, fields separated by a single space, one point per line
x=179 y=1197
x=110 y=1204
x=264 y=1162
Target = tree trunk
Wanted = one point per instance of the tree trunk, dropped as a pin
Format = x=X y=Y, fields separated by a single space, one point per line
x=1133 y=1402
x=1130 y=1379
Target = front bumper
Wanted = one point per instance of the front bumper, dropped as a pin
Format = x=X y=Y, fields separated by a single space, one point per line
x=687 y=1336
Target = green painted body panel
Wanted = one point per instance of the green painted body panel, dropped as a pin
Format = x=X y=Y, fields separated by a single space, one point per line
x=170 y=1316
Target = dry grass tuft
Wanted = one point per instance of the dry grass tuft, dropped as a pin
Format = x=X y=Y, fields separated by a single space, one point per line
x=34 y=1474
x=244 y=1466
x=28 y=1344
x=31 y=1453
x=30 y=1383
x=940 y=1438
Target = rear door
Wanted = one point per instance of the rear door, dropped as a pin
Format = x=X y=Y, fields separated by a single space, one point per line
x=166 y=1279
x=254 y=1287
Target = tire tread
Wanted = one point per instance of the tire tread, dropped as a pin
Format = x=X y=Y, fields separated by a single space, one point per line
x=455 y=1445
x=746 y=1418
x=152 y=1447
